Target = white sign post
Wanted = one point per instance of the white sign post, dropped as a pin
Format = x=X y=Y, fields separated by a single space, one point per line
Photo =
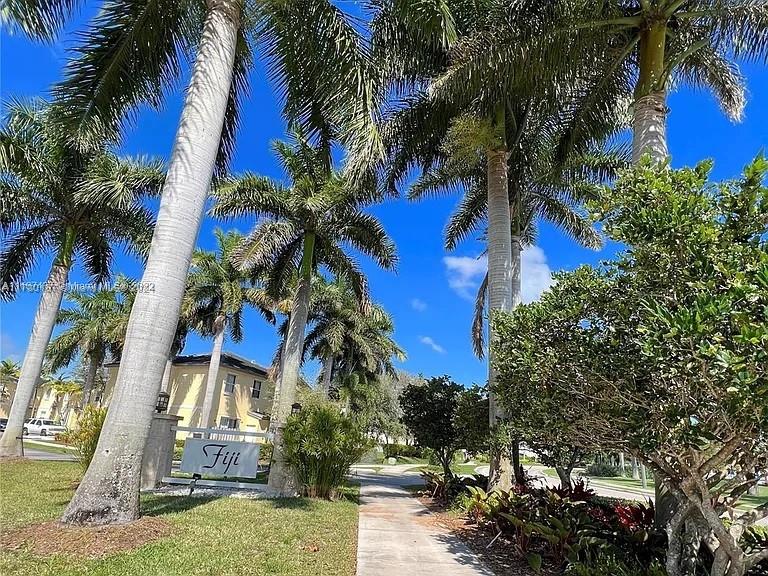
x=220 y=458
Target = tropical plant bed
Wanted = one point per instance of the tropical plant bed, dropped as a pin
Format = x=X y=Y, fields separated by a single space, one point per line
x=176 y=535
x=492 y=551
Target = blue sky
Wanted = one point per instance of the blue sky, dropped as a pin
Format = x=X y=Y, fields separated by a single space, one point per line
x=430 y=295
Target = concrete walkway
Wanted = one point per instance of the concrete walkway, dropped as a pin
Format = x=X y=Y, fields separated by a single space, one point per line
x=396 y=537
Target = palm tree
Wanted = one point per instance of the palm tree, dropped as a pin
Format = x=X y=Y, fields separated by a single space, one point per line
x=10 y=370
x=70 y=201
x=543 y=187
x=39 y=20
x=345 y=337
x=641 y=49
x=303 y=227
x=129 y=56
x=217 y=294
x=62 y=385
x=95 y=328
x=489 y=111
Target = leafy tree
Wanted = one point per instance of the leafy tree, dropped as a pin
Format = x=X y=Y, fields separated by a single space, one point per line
x=470 y=420
x=217 y=293
x=302 y=227
x=72 y=202
x=663 y=352
x=539 y=411
x=428 y=413
x=95 y=328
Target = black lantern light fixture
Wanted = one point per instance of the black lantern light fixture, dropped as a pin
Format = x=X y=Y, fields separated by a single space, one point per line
x=162 y=402
x=295 y=408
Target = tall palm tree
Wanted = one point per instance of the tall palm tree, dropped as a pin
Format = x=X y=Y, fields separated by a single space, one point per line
x=72 y=202
x=303 y=227
x=128 y=57
x=491 y=109
x=217 y=293
x=10 y=370
x=95 y=328
x=648 y=47
x=64 y=388
x=344 y=336
x=543 y=187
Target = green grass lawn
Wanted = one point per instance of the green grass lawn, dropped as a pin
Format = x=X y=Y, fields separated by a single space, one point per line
x=747 y=501
x=225 y=536
x=49 y=447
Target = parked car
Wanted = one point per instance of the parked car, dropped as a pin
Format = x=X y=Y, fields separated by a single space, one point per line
x=43 y=427
x=3 y=423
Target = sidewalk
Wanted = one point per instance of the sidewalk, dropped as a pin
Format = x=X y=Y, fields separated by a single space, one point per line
x=394 y=536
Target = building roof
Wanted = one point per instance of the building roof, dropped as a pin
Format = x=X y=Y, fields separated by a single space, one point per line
x=227 y=359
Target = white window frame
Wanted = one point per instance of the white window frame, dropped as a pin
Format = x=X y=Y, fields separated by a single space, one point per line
x=227 y=384
x=257 y=384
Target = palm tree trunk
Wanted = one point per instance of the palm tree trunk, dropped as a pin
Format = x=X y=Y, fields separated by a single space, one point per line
x=90 y=378
x=213 y=373
x=649 y=128
x=281 y=478
x=109 y=492
x=649 y=122
x=327 y=372
x=42 y=328
x=500 y=293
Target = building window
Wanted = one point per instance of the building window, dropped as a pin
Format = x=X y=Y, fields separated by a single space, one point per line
x=229 y=423
x=256 y=389
x=229 y=384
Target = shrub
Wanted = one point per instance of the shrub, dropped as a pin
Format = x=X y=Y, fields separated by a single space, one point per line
x=320 y=446
x=401 y=450
x=568 y=528
x=86 y=435
x=610 y=566
x=602 y=469
x=578 y=492
x=265 y=453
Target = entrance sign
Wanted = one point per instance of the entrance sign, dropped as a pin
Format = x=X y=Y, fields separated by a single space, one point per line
x=209 y=457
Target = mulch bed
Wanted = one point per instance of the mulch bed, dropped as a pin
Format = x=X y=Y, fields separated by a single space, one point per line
x=498 y=557
x=54 y=538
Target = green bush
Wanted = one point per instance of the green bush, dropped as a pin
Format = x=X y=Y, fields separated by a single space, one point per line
x=86 y=435
x=265 y=452
x=609 y=566
x=601 y=469
x=320 y=446
x=402 y=450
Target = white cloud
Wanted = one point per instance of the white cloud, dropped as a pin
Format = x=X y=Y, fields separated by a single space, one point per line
x=426 y=340
x=465 y=274
x=418 y=305
x=537 y=276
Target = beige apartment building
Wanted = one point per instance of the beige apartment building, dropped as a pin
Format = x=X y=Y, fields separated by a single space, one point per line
x=242 y=397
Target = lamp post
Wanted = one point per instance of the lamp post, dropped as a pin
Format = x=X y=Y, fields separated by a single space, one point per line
x=295 y=408
x=162 y=402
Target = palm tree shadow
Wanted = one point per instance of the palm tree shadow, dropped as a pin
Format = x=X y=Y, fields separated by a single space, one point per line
x=162 y=505
x=291 y=503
